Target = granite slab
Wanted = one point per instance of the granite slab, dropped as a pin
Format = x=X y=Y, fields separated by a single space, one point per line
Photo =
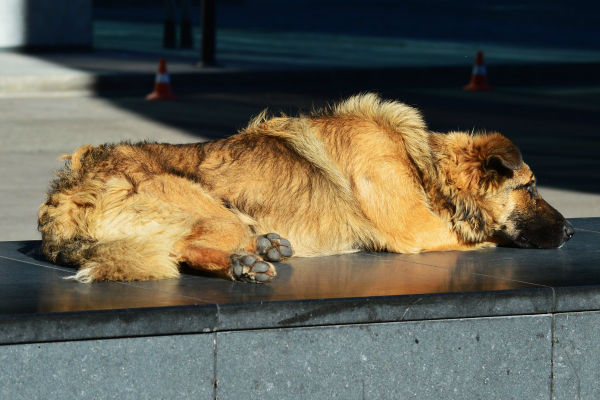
x=576 y=263
x=163 y=367
x=478 y=358
x=588 y=224
x=39 y=305
x=576 y=370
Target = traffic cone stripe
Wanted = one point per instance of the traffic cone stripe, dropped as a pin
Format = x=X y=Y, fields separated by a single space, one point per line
x=162 y=78
x=479 y=70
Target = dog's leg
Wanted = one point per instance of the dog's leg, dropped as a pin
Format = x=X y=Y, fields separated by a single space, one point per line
x=207 y=235
x=236 y=266
x=225 y=245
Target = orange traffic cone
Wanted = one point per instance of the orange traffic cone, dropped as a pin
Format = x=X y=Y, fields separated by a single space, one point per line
x=478 y=77
x=162 y=84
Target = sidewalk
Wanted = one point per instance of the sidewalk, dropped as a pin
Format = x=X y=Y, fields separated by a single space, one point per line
x=126 y=55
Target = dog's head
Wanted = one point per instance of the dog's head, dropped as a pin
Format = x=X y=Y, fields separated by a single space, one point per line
x=495 y=194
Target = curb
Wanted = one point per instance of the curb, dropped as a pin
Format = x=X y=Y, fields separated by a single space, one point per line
x=224 y=80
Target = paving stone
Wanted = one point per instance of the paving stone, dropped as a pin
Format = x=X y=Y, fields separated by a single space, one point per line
x=166 y=367
x=576 y=356
x=503 y=357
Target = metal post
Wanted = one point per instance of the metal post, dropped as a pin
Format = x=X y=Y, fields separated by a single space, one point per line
x=208 y=32
x=169 y=25
x=186 y=39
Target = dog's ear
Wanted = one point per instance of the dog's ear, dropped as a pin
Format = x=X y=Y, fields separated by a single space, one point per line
x=499 y=155
x=477 y=161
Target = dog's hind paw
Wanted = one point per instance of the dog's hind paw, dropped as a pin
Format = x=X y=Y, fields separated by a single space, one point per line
x=273 y=247
x=251 y=268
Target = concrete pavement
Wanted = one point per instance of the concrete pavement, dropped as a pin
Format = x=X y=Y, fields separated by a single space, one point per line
x=126 y=53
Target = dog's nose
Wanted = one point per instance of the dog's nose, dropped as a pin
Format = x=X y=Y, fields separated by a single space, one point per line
x=568 y=230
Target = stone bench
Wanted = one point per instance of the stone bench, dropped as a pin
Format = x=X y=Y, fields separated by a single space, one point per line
x=495 y=323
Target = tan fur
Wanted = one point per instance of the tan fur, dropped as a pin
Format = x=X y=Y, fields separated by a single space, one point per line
x=364 y=174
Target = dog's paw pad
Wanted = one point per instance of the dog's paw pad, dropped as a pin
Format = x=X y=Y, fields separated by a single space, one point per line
x=251 y=268
x=273 y=247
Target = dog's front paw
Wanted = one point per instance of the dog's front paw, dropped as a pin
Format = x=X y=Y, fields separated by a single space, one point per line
x=251 y=268
x=273 y=247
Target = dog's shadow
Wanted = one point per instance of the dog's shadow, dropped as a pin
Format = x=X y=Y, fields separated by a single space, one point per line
x=33 y=249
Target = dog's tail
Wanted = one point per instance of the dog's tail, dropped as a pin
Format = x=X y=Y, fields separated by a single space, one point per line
x=125 y=260
x=65 y=222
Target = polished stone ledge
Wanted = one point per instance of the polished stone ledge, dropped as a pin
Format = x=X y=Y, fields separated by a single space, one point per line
x=37 y=305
